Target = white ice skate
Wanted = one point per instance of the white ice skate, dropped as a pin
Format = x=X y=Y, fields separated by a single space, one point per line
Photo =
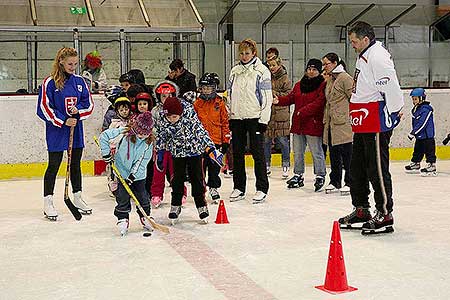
x=331 y=189
x=203 y=214
x=146 y=224
x=174 y=214
x=237 y=195
x=215 y=196
x=429 y=170
x=285 y=173
x=80 y=204
x=49 y=209
x=122 y=225
x=156 y=201
x=345 y=190
x=259 y=197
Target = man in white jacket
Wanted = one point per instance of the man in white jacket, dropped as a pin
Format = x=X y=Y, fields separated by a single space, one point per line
x=249 y=103
x=375 y=105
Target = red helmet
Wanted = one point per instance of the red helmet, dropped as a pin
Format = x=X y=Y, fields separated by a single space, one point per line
x=143 y=96
x=166 y=88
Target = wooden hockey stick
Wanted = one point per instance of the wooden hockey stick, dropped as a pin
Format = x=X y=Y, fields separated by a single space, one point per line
x=73 y=209
x=130 y=192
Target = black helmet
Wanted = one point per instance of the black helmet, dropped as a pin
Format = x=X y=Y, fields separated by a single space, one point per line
x=210 y=79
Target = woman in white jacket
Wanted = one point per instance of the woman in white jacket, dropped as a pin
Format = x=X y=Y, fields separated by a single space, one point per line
x=250 y=101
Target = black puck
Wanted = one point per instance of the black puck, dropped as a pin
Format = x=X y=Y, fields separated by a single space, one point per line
x=147 y=234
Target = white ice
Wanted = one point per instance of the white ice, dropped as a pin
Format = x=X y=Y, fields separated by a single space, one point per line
x=275 y=250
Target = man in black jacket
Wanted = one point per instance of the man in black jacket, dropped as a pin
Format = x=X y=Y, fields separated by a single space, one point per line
x=181 y=77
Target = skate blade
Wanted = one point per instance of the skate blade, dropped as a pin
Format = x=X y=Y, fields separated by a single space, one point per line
x=294 y=186
x=173 y=221
x=412 y=172
x=387 y=229
x=51 y=218
x=345 y=193
x=350 y=226
x=204 y=221
x=237 y=199
x=330 y=191
x=259 y=201
x=214 y=201
x=85 y=212
x=429 y=174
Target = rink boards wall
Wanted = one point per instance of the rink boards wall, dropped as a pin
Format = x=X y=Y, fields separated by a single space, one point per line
x=24 y=153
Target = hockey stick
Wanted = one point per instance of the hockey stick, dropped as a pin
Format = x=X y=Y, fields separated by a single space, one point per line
x=73 y=209
x=130 y=192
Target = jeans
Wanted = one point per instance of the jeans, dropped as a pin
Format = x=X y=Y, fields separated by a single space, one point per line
x=315 y=146
x=283 y=141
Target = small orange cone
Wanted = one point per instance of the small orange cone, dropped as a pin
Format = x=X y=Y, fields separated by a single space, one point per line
x=221 y=214
x=336 y=278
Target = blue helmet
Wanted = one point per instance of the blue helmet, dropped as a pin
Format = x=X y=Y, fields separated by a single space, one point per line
x=418 y=92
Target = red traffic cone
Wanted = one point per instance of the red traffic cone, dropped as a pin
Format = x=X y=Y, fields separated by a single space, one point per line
x=221 y=214
x=336 y=278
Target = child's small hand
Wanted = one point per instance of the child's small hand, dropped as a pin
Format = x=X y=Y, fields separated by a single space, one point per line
x=275 y=100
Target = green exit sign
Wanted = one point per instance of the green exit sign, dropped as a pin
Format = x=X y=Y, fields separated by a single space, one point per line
x=78 y=10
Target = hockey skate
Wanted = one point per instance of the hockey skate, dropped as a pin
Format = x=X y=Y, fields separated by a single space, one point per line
x=412 y=168
x=429 y=170
x=331 y=189
x=259 y=197
x=156 y=201
x=355 y=219
x=214 y=195
x=345 y=190
x=237 y=195
x=80 y=204
x=146 y=224
x=296 y=181
x=174 y=214
x=269 y=172
x=203 y=214
x=378 y=224
x=319 y=183
x=228 y=173
x=285 y=173
x=49 y=209
x=122 y=225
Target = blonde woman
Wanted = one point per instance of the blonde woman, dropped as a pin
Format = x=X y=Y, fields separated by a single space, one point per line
x=64 y=101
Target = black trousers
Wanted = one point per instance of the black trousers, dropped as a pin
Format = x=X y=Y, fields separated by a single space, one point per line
x=364 y=169
x=240 y=129
x=196 y=176
x=425 y=147
x=54 y=161
x=340 y=156
x=123 y=207
x=213 y=170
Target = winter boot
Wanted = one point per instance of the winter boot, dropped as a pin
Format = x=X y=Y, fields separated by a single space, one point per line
x=174 y=213
x=214 y=195
x=319 y=183
x=355 y=219
x=80 y=204
x=429 y=170
x=122 y=225
x=237 y=195
x=259 y=197
x=380 y=223
x=49 y=209
x=296 y=181
x=412 y=168
x=285 y=173
x=156 y=201
x=203 y=213
x=146 y=224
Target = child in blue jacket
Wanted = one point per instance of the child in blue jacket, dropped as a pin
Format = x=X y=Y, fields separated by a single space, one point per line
x=423 y=132
x=133 y=152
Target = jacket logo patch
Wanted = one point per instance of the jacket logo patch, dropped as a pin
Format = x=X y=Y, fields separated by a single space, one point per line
x=358 y=115
x=69 y=103
x=80 y=88
x=383 y=81
x=355 y=80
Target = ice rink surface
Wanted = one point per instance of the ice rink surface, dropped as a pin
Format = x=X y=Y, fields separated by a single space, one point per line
x=275 y=250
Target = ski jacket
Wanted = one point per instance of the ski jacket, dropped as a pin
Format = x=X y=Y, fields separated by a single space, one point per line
x=250 y=92
x=376 y=95
x=185 y=138
x=53 y=107
x=107 y=118
x=422 y=121
x=130 y=158
x=307 y=118
x=214 y=117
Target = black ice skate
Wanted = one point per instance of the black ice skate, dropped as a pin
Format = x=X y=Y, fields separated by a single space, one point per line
x=412 y=168
x=296 y=181
x=174 y=213
x=355 y=219
x=429 y=170
x=319 y=182
x=379 y=224
x=215 y=196
x=203 y=214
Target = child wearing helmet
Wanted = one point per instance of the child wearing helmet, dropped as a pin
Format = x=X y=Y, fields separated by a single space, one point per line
x=162 y=91
x=212 y=113
x=143 y=102
x=423 y=132
x=112 y=93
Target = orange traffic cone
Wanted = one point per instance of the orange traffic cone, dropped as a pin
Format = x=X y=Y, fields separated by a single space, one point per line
x=221 y=214
x=336 y=278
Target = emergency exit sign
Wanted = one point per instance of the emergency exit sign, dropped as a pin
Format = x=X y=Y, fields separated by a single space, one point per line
x=78 y=10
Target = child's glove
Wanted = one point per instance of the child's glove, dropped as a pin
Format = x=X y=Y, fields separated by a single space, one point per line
x=160 y=160
x=446 y=140
x=130 y=179
x=224 y=148
x=411 y=137
x=108 y=158
x=215 y=155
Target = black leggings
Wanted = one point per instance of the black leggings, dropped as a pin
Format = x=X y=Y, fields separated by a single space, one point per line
x=54 y=161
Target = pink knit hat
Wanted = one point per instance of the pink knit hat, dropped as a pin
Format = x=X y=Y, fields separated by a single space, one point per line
x=142 y=124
